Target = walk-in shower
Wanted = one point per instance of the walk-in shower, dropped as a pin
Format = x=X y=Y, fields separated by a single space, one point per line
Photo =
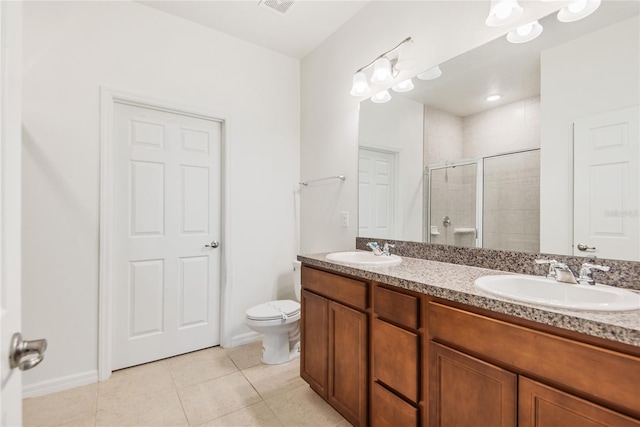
x=489 y=202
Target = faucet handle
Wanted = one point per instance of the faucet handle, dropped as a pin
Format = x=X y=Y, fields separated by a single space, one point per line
x=589 y=266
x=546 y=261
x=375 y=248
x=586 y=273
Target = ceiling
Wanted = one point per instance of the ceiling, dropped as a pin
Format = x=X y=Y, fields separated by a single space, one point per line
x=512 y=70
x=297 y=32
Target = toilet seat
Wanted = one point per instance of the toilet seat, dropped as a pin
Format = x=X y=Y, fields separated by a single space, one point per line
x=274 y=310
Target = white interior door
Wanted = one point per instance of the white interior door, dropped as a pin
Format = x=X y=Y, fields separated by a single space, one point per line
x=607 y=185
x=377 y=193
x=167 y=210
x=10 y=286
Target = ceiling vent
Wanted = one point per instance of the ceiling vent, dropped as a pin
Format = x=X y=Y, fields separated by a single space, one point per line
x=278 y=6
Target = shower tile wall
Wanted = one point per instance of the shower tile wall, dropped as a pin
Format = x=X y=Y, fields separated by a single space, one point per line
x=511 y=218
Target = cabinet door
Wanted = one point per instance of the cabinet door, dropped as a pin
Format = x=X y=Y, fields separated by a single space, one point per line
x=543 y=406
x=465 y=391
x=314 y=342
x=348 y=362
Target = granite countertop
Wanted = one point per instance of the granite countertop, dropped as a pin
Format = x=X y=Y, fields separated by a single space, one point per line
x=455 y=283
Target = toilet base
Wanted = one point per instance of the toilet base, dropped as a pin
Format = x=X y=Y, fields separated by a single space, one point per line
x=277 y=349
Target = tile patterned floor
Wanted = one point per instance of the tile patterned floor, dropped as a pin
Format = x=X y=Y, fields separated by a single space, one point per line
x=212 y=387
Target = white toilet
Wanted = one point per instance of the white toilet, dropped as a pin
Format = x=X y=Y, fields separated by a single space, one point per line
x=279 y=322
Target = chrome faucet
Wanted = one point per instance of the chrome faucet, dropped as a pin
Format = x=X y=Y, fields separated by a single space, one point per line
x=385 y=251
x=559 y=271
x=375 y=248
x=586 y=275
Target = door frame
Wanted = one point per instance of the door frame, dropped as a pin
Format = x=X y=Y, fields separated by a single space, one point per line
x=108 y=98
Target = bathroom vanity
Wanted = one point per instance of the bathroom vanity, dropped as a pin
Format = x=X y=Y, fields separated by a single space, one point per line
x=418 y=345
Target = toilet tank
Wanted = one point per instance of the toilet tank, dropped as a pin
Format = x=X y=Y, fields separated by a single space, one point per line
x=297 y=283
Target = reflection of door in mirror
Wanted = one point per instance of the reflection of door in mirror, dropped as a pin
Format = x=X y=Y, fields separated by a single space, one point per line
x=377 y=188
x=607 y=185
x=452 y=204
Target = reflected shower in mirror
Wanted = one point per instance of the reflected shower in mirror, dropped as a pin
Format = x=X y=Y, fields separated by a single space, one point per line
x=574 y=72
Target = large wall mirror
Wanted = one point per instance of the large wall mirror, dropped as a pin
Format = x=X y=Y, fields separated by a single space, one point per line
x=551 y=166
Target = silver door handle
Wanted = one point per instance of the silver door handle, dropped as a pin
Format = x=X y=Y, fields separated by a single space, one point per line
x=585 y=248
x=20 y=349
x=214 y=244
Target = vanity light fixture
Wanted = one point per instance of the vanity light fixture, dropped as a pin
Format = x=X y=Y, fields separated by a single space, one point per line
x=492 y=98
x=381 y=97
x=577 y=10
x=502 y=12
x=404 y=86
x=525 y=33
x=385 y=68
x=431 y=73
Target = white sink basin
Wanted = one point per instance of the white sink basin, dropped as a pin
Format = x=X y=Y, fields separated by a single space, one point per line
x=364 y=258
x=543 y=291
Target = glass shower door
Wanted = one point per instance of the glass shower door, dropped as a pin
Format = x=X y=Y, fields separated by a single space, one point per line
x=452 y=211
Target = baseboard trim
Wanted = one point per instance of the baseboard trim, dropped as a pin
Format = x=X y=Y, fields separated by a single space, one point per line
x=59 y=384
x=247 y=338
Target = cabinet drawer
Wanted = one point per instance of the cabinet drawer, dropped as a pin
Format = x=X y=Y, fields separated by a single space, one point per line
x=396 y=356
x=343 y=289
x=598 y=374
x=390 y=410
x=397 y=307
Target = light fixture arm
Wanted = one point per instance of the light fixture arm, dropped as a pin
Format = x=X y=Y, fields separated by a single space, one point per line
x=408 y=39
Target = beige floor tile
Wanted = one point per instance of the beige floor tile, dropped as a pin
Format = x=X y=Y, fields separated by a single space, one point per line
x=160 y=408
x=344 y=423
x=212 y=399
x=271 y=380
x=75 y=407
x=200 y=366
x=247 y=355
x=303 y=407
x=142 y=379
x=258 y=415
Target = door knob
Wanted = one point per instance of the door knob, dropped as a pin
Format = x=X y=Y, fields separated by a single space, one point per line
x=20 y=349
x=585 y=248
x=214 y=244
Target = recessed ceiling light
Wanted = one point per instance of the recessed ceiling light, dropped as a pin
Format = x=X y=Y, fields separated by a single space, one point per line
x=492 y=98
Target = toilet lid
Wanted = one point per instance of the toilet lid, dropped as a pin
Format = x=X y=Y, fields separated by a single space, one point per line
x=272 y=310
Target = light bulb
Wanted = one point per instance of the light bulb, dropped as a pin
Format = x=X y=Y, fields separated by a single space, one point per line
x=525 y=33
x=382 y=71
x=431 y=73
x=360 y=86
x=502 y=10
x=381 y=97
x=525 y=29
x=403 y=86
x=577 y=6
x=492 y=98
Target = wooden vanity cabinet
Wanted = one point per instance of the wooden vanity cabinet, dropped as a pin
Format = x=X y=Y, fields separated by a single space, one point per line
x=482 y=368
x=334 y=341
x=387 y=357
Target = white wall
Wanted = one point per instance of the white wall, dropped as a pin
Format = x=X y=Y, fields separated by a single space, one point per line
x=329 y=116
x=397 y=125
x=592 y=74
x=70 y=50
